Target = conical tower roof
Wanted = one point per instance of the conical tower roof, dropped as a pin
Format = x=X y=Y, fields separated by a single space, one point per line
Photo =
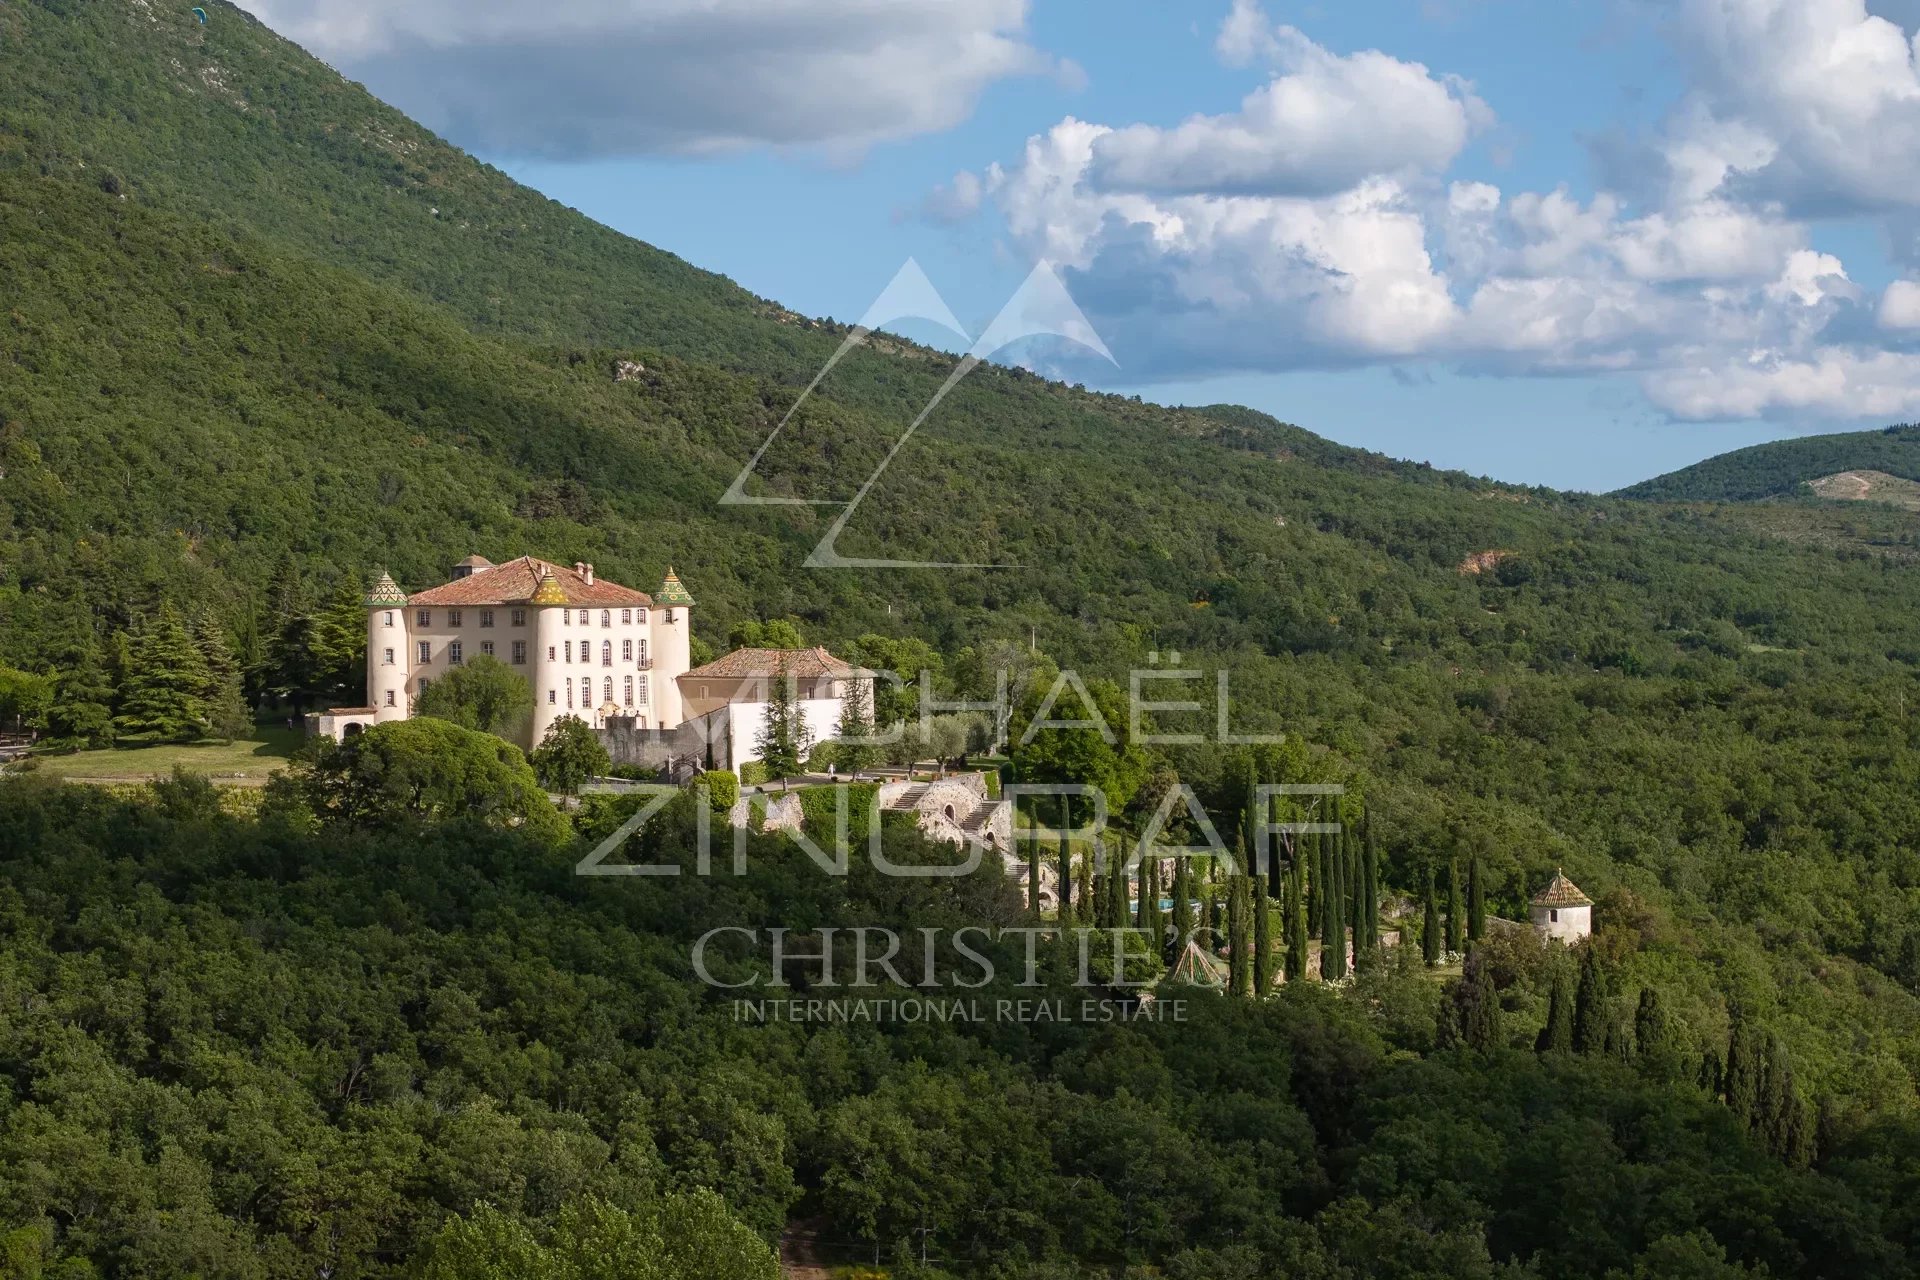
x=548 y=592
x=671 y=591
x=385 y=592
x=1561 y=892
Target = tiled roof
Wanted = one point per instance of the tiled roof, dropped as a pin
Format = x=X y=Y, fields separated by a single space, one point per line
x=386 y=591
x=801 y=664
x=671 y=591
x=1561 y=892
x=514 y=583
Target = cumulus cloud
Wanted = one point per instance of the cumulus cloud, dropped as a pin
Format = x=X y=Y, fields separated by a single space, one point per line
x=1324 y=123
x=1815 y=103
x=610 y=77
x=1317 y=228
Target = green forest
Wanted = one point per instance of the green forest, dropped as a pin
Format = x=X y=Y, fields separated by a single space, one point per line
x=263 y=337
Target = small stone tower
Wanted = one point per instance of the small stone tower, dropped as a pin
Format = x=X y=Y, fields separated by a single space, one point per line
x=389 y=652
x=1561 y=912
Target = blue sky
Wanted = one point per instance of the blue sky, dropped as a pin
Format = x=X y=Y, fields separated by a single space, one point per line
x=1574 y=244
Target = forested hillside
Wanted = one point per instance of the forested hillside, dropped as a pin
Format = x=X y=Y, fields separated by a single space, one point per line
x=264 y=337
x=1779 y=469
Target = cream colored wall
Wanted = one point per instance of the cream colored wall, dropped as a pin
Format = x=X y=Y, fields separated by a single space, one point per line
x=564 y=630
x=1571 y=924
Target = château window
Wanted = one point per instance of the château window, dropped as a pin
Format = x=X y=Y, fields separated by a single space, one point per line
x=386 y=657
x=424 y=686
x=453 y=617
x=569 y=693
x=453 y=653
x=626 y=617
x=643 y=691
x=628 y=691
x=1554 y=916
x=486 y=648
x=519 y=653
x=643 y=653
x=424 y=617
x=389 y=697
x=670 y=617
x=519 y=617
x=566 y=616
x=549 y=653
x=626 y=651
x=426 y=652
x=608 y=691
x=606 y=657
x=643 y=617
x=606 y=617
x=569 y=651
x=486 y=617
x=389 y=618
x=551 y=696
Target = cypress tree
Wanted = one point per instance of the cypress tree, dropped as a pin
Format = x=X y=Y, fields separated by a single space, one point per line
x=1476 y=901
x=1239 y=940
x=1708 y=1077
x=1653 y=1033
x=1362 y=953
x=1102 y=883
x=160 y=700
x=1455 y=909
x=1372 y=914
x=1182 y=912
x=1741 y=1078
x=1296 y=919
x=1590 y=1013
x=1309 y=855
x=1033 y=871
x=1083 y=874
x=1557 y=1036
x=1156 y=922
x=1479 y=1005
x=1065 y=858
x=1430 y=926
x=1262 y=936
x=1333 y=952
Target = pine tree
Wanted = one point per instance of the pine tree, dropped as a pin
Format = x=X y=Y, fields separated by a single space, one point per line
x=227 y=715
x=82 y=710
x=1557 y=1036
x=1430 y=926
x=160 y=700
x=1590 y=1006
x=1476 y=901
x=1455 y=908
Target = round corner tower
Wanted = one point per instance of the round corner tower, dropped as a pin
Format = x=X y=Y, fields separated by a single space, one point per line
x=672 y=626
x=387 y=650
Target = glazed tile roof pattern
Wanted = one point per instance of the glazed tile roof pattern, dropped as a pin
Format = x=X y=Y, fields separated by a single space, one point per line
x=515 y=582
x=1561 y=892
x=802 y=664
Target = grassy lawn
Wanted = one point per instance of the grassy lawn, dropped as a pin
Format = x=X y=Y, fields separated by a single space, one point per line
x=256 y=758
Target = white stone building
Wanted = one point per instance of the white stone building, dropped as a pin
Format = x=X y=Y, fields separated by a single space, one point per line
x=589 y=647
x=726 y=700
x=1561 y=912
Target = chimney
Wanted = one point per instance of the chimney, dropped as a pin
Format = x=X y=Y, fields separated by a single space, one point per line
x=588 y=575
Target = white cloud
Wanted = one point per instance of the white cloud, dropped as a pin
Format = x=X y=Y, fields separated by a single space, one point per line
x=1813 y=102
x=1321 y=125
x=1252 y=242
x=603 y=77
x=1900 y=305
